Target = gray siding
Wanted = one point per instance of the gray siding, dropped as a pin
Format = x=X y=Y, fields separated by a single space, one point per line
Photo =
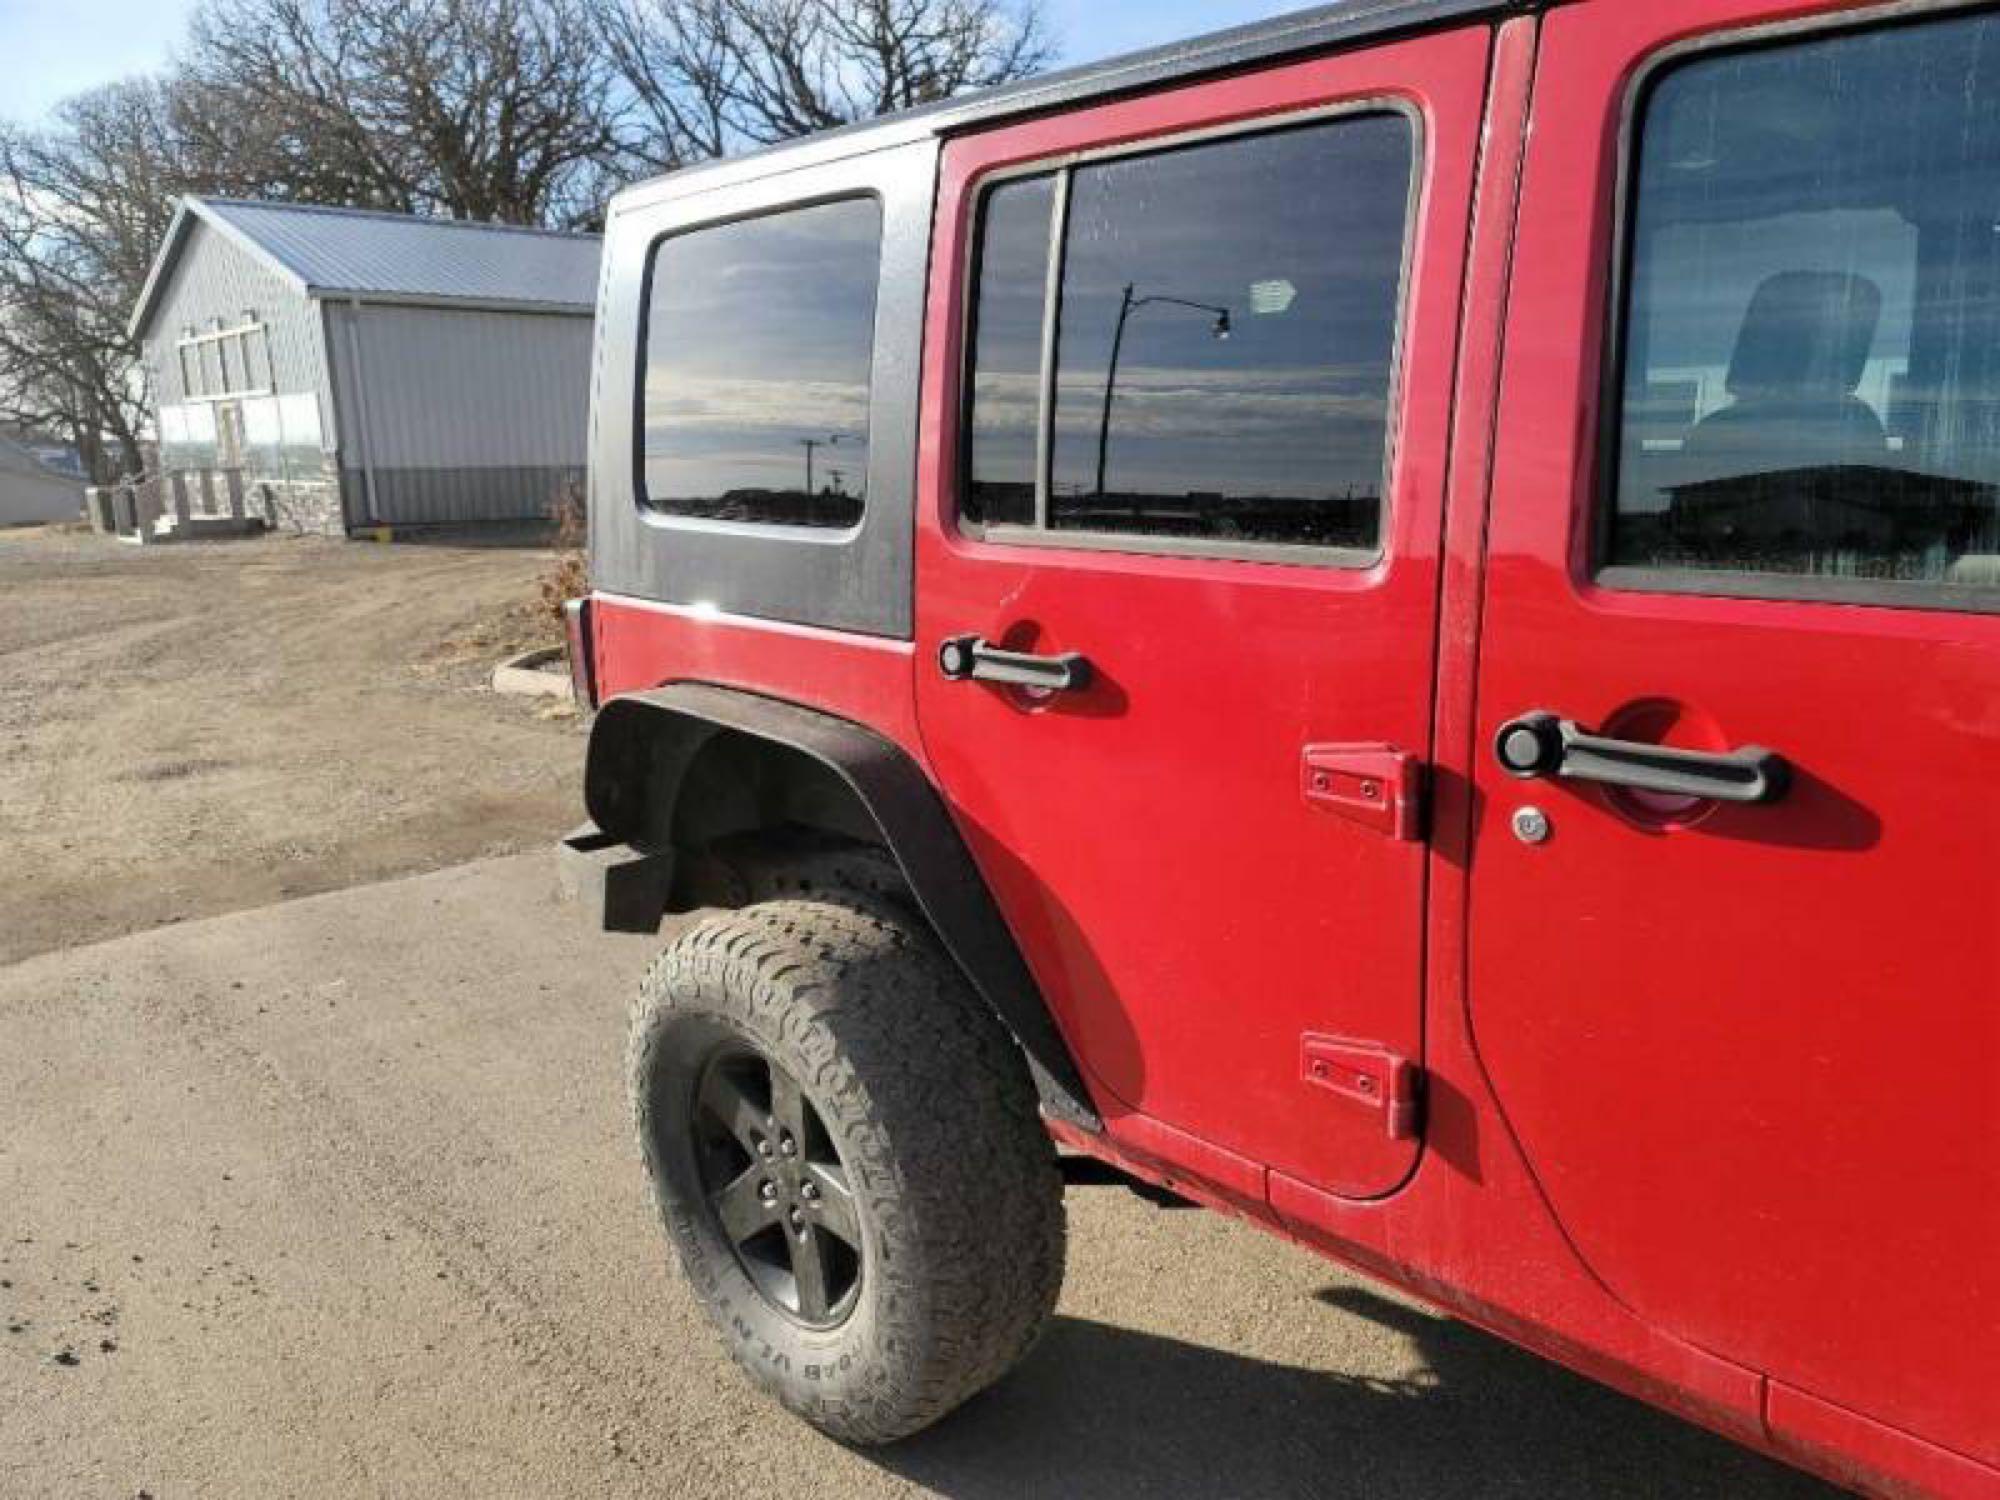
x=216 y=278
x=464 y=415
x=433 y=497
x=28 y=498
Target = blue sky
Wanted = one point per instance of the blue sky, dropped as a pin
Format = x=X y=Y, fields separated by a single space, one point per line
x=57 y=47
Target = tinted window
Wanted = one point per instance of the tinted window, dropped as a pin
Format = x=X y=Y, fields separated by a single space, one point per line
x=1227 y=336
x=759 y=339
x=1003 y=432
x=1228 y=332
x=1812 y=361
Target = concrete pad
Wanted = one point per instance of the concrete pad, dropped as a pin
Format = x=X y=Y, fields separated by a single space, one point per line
x=541 y=673
x=337 y=1198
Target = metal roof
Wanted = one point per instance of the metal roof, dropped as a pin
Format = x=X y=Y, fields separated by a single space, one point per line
x=1324 y=28
x=382 y=257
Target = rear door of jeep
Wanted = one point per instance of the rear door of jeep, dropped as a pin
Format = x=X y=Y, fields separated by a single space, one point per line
x=1186 y=401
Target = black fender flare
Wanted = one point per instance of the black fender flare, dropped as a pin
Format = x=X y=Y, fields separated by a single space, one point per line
x=636 y=735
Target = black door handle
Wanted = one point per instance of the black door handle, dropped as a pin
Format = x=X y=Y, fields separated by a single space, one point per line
x=965 y=658
x=1542 y=744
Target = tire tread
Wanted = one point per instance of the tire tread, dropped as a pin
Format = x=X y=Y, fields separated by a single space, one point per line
x=942 y=1127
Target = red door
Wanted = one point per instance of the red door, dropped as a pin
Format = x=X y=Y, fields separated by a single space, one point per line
x=1752 y=1048
x=1225 y=500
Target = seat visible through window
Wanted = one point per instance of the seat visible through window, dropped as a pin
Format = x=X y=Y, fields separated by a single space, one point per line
x=1799 y=359
x=1811 y=344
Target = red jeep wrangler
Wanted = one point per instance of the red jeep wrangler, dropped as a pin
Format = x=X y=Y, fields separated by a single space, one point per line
x=1389 y=621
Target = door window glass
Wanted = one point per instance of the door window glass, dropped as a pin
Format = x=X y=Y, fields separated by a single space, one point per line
x=1812 y=336
x=1004 y=429
x=759 y=340
x=1226 y=341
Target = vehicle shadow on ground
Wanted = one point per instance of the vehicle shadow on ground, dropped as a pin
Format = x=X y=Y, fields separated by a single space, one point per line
x=1101 y=1411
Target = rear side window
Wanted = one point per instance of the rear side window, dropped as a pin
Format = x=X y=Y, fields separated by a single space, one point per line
x=1222 y=364
x=760 y=336
x=1811 y=388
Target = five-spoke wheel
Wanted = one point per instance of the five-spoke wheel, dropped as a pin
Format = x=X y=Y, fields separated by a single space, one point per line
x=776 y=1185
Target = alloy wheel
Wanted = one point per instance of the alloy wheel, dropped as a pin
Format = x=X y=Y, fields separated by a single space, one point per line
x=777 y=1188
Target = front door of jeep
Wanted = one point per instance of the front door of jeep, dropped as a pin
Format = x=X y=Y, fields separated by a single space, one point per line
x=1187 y=400
x=1745 y=1023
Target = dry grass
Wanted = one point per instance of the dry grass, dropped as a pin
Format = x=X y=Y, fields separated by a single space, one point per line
x=485 y=639
x=569 y=577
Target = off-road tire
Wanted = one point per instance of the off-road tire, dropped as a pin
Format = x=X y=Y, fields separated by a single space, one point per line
x=930 y=1108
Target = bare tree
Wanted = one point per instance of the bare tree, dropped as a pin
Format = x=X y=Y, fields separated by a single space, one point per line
x=516 y=111
x=498 y=110
x=710 y=76
x=83 y=207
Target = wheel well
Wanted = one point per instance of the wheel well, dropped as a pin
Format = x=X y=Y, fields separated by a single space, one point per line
x=737 y=783
x=682 y=769
x=744 y=805
x=671 y=783
x=717 y=799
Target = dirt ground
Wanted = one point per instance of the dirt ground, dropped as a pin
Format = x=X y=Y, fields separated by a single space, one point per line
x=197 y=729
x=338 y=1198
